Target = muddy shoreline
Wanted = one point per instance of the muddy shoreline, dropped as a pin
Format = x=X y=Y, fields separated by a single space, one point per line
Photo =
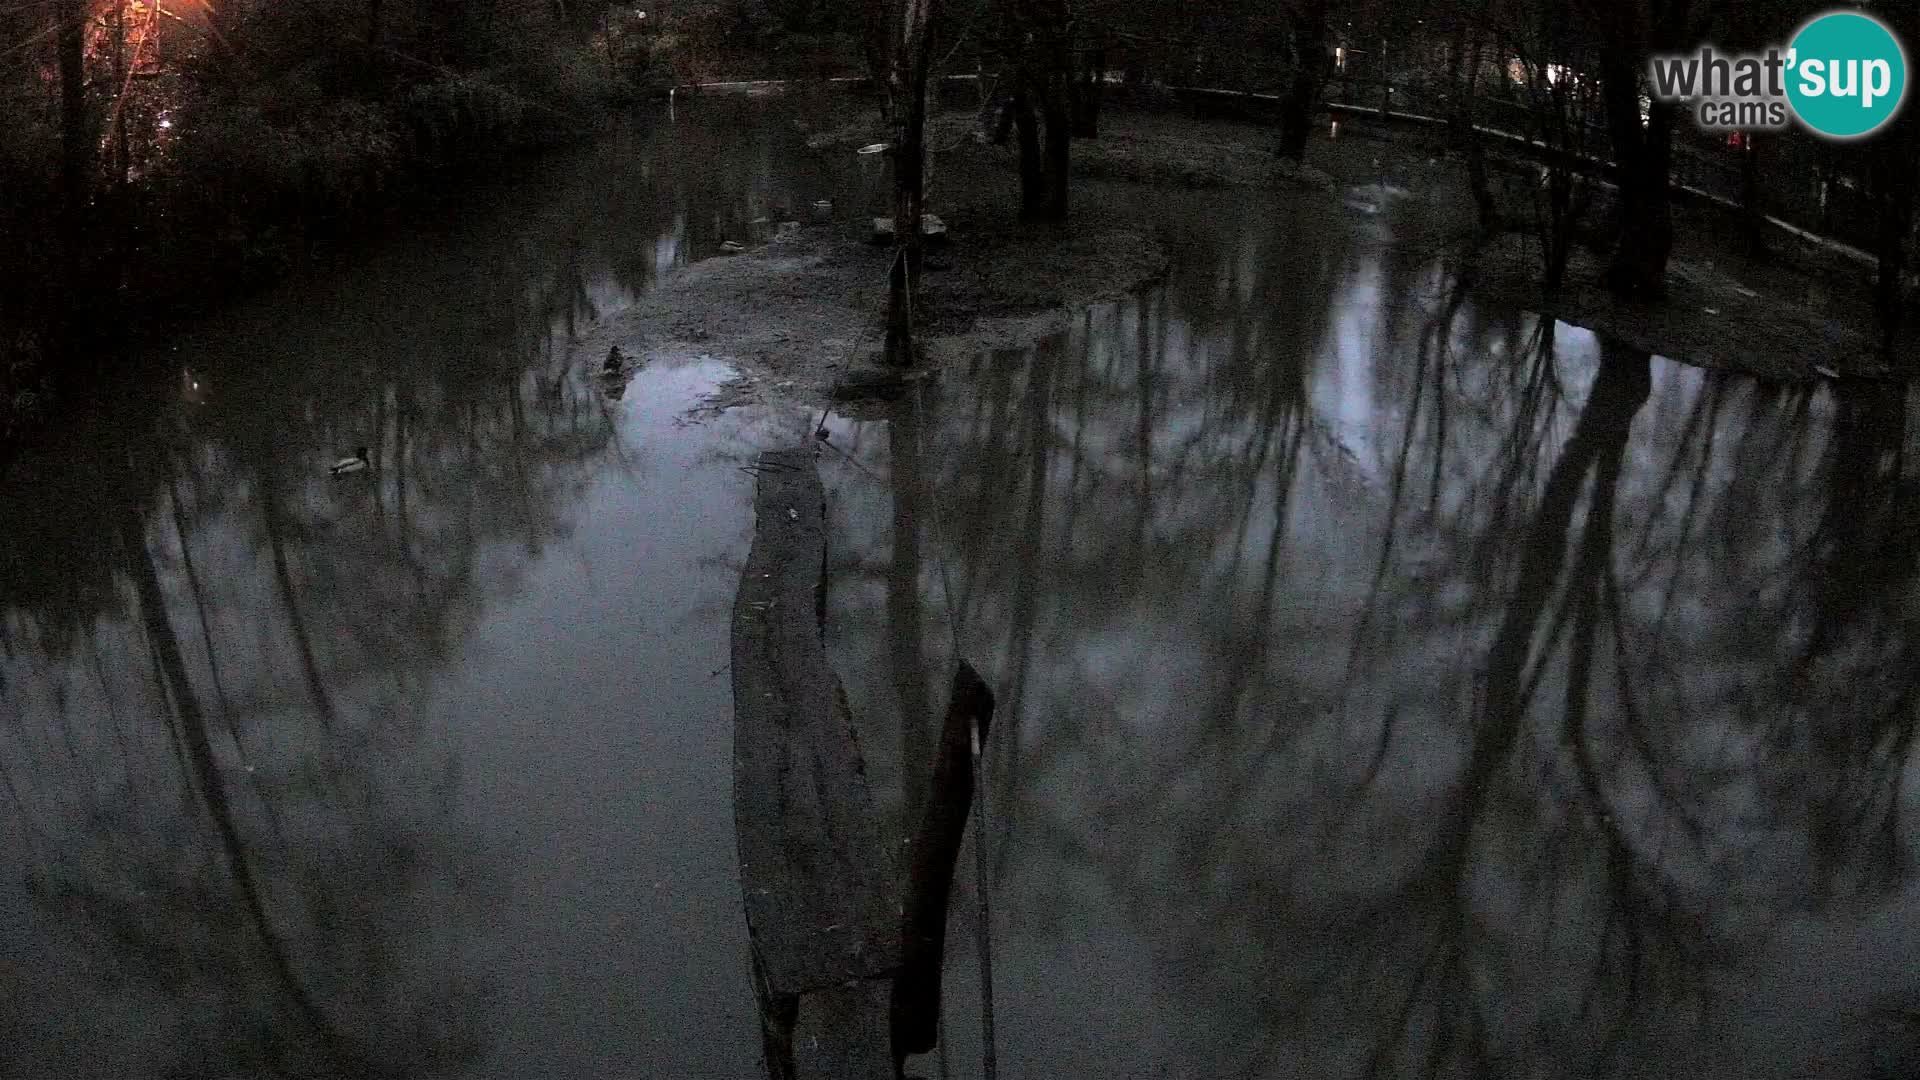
x=1720 y=315
x=801 y=315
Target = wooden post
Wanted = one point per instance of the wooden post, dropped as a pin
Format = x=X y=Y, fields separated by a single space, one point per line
x=915 y=1013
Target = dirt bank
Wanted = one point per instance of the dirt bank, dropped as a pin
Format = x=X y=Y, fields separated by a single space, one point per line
x=1723 y=314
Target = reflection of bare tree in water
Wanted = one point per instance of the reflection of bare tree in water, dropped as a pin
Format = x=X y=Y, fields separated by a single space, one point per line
x=905 y=620
x=319 y=865
x=191 y=886
x=1400 y=948
x=1852 y=722
x=1582 y=765
x=207 y=780
x=217 y=708
x=283 y=855
x=1538 y=611
x=1625 y=663
x=273 y=519
x=1032 y=533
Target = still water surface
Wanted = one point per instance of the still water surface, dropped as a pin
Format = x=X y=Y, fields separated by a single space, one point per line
x=1389 y=687
x=420 y=770
x=1392 y=687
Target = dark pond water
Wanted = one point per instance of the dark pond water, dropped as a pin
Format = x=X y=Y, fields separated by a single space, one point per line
x=421 y=769
x=1388 y=687
x=1391 y=687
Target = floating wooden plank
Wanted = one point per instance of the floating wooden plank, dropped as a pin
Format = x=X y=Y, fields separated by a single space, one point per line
x=815 y=873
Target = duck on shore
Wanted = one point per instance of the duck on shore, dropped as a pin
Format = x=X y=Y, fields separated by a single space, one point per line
x=352 y=464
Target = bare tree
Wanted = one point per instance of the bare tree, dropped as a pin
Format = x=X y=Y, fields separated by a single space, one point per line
x=1642 y=146
x=1893 y=175
x=1307 y=44
x=906 y=49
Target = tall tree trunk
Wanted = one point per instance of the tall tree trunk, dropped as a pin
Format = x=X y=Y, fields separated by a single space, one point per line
x=1457 y=70
x=1644 y=154
x=121 y=166
x=912 y=57
x=1753 y=212
x=1558 y=238
x=1054 y=106
x=1088 y=88
x=1465 y=86
x=1033 y=187
x=1003 y=122
x=1894 y=183
x=121 y=218
x=1309 y=47
x=70 y=39
x=1892 y=171
x=75 y=138
x=373 y=38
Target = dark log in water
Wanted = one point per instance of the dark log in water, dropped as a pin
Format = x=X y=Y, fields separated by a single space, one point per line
x=915 y=1014
x=813 y=869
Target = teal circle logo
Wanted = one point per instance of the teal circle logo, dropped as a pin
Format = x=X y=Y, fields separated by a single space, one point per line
x=1847 y=74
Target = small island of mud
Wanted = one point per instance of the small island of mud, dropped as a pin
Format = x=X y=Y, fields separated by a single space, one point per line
x=802 y=314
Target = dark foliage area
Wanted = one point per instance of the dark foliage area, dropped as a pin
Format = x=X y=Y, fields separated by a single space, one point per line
x=155 y=159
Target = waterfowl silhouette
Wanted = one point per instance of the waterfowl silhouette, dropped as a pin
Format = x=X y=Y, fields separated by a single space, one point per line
x=350 y=464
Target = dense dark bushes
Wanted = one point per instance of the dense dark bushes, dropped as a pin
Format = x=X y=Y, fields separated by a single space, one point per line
x=232 y=147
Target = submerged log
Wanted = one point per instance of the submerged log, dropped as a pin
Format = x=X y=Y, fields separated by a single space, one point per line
x=814 y=871
x=915 y=1008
